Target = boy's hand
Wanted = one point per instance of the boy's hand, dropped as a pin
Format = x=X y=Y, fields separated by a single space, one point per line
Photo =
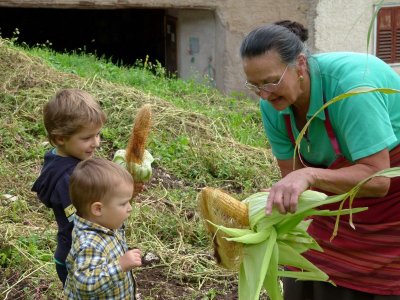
x=130 y=260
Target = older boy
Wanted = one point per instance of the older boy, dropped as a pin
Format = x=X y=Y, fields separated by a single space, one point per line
x=99 y=263
x=73 y=120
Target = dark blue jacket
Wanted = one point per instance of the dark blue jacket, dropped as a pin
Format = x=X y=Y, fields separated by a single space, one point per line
x=52 y=188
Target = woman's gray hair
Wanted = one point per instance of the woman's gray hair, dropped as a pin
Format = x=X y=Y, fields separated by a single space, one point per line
x=285 y=37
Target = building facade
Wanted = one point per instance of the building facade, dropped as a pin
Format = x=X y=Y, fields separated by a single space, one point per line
x=201 y=38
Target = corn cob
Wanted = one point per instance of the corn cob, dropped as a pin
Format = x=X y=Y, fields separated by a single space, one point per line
x=218 y=207
x=140 y=131
x=135 y=158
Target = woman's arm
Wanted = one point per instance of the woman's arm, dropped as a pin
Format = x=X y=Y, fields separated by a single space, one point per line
x=286 y=166
x=342 y=180
x=285 y=193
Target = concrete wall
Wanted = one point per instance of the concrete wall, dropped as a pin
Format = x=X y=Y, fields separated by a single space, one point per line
x=342 y=25
x=196 y=30
x=239 y=17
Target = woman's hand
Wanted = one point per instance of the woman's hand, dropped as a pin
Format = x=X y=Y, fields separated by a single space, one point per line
x=285 y=193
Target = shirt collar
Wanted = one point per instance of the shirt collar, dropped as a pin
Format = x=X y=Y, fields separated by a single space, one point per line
x=83 y=224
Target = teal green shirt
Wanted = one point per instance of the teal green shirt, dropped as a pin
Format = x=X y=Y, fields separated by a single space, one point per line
x=364 y=124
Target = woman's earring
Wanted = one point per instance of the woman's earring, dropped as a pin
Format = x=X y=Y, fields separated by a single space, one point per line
x=301 y=77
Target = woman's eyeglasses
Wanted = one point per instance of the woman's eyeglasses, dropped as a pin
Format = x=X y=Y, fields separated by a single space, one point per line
x=268 y=87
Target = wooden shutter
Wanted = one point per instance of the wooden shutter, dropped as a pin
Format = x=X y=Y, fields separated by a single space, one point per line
x=388 y=34
x=397 y=34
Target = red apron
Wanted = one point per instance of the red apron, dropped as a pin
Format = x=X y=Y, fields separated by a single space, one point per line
x=368 y=258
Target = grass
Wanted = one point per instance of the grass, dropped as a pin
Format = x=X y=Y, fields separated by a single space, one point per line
x=241 y=122
x=199 y=138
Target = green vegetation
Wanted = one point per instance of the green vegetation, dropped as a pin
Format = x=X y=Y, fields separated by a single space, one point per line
x=199 y=138
x=242 y=122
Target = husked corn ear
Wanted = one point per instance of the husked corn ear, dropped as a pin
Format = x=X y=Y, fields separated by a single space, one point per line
x=227 y=209
x=137 y=141
x=135 y=158
x=218 y=207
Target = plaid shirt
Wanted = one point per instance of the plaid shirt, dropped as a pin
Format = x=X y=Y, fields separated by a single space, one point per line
x=93 y=265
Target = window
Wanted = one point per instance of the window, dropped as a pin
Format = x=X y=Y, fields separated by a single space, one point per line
x=388 y=34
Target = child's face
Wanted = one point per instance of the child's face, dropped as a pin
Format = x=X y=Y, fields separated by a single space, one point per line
x=117 y=208
x=81 y=144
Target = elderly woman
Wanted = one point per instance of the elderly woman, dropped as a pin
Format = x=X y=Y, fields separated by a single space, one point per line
x=347 y=142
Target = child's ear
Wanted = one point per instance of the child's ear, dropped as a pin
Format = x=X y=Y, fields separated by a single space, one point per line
x=59 y=140
x=96 y=209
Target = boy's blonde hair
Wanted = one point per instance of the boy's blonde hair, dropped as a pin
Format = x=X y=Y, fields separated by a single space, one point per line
x=93 y=180
x=69 y=111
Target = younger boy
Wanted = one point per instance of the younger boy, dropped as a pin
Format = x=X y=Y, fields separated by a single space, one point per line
x=99 y=263
x=73 y=120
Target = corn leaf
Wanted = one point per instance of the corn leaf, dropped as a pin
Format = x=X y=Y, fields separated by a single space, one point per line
x=252 y=238
x=233 y=232
x=271 y=281
x=254 y=268
x=371 y=24
x=290 y=257
x=356 y=91
x=302 y=276
x=389 y=173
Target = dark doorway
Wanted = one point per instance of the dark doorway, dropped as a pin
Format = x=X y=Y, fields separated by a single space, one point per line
x=170 y=44
x=123 y=35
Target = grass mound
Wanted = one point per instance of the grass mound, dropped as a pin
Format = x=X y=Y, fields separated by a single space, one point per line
x=193 y=148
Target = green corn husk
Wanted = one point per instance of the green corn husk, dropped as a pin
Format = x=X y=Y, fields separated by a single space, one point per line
x=279 y=240
x=276 y=240
x=141 y=172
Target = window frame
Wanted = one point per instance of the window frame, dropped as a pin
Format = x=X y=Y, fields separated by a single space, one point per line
x=395 y=53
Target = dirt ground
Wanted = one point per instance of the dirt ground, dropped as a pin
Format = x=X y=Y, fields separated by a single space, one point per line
x=152 y=281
